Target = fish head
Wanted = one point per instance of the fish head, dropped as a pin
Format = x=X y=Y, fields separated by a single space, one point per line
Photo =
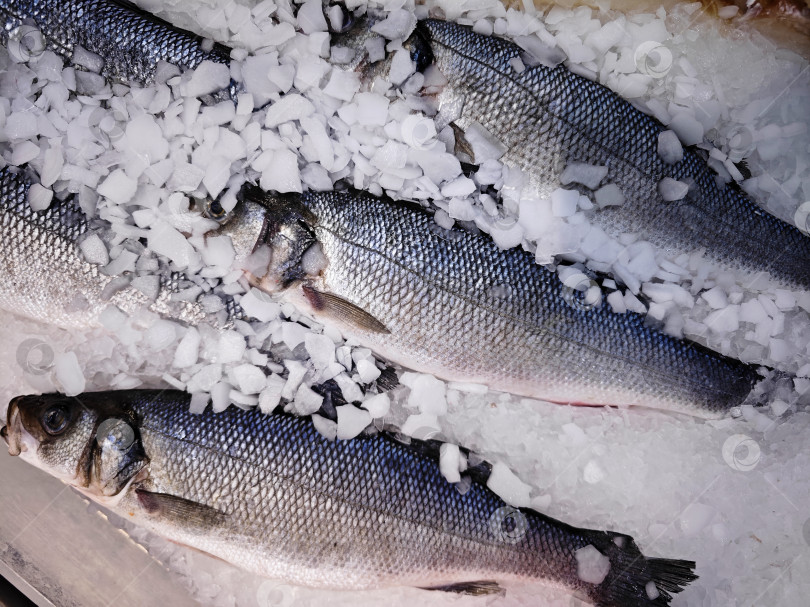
x=243 y=223
x=88 y=443
x=271 y=233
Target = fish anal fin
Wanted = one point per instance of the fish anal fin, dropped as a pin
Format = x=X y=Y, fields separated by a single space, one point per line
x=479 y=588
x=179 y=509
x=343 y=310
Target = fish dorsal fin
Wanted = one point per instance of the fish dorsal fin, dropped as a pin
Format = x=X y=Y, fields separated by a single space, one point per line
x=179 y=509
x=479 y=588
x=343 y=310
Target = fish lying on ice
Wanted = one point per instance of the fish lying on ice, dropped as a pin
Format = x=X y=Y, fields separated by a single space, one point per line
x=273 y=496
x=548 y=118
x=452 y=303
x=545 y=119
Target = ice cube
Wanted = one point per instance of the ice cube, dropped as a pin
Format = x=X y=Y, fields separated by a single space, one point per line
x=39 y=197
x=609 y=195
x=208 y=77
x=669 y=147
x=377 y=405
x=69 y=373
x=342 y=85
x=351 y=421
x=231 y=347
x=449 y=461
x=307 y=401
x=282 y=174
x=249 y=379
x=688 y=129
x=118 y=187
x=311 y=18
x=290 y=107
x=592 y=565
x=589 y=175
x=258 y=304
x=163 y=239
x=564 y=202
x=187 y=351
x=367 y=371
x=672 y=189
x=503 y=482
x=398 y=24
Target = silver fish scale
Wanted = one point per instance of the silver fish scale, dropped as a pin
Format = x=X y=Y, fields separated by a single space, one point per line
x=44 y=276
x=455 y=302
x=349 y=514
x=130 y=41
x=549 y=117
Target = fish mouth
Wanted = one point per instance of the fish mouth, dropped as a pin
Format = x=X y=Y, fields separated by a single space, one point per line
x=11 y=431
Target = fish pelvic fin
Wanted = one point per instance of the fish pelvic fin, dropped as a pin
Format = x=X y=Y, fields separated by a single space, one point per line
x=479 y=588
x=343 y=310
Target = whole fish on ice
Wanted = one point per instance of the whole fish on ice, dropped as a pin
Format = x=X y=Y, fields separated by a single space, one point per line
x=452 y=303
x=545 y=119
x=272 y=495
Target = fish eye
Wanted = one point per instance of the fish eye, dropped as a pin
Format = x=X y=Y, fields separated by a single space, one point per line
x=213 y=210
x=55 y=419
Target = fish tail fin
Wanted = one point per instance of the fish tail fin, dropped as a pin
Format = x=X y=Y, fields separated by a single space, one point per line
x=635 y=580
x=771 y=385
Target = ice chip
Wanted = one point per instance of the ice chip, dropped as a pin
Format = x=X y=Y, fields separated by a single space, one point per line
x=249 y=379
x=39 y=197
x=208 y=77
x=672 y=189
x=69 y=373
x=351 y=421
x=669 y=147
x=377 y=405
x=449 y=460
x=586 y=174
x=592 y=565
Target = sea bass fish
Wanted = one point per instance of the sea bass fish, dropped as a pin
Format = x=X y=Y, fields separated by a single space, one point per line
x=451 y=303
x=130 y=42
x=547 y=118
x=273 y=496
x=45 y=276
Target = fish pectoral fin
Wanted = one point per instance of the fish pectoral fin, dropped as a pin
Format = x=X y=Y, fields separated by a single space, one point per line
x=463 y=147
x=179 y=509
x=480 y=588
x=343 y=309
